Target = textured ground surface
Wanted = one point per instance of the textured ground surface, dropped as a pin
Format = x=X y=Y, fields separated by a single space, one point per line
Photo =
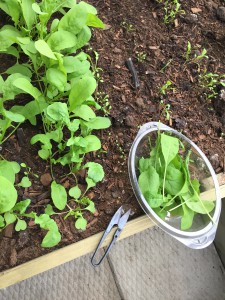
x=149 y=265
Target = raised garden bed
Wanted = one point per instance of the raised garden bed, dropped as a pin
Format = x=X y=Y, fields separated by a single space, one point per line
x=174 y=87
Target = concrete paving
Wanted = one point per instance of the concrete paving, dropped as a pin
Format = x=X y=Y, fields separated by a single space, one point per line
x=148 y=265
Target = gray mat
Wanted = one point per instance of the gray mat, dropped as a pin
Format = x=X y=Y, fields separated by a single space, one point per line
x=153 y=265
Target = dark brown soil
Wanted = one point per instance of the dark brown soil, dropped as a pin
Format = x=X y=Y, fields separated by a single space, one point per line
x=132 y=27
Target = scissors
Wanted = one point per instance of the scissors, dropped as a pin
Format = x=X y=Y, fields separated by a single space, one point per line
x=120 y=219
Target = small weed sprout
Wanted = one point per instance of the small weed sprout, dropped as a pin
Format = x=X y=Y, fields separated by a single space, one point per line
x=210 y=82
x=201 y=56
x=103 y=100
x=141 y=56
x=172 y=9
x=166 y=87
x=120 y=150
x=165 y=110
x=127 y=26
x=188 y=51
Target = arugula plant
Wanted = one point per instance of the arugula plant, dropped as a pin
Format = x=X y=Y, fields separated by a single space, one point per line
x=60 y=79
x=12 y=211
x=166 y=183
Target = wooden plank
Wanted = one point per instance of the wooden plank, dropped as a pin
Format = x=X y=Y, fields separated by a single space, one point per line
x=75 y=250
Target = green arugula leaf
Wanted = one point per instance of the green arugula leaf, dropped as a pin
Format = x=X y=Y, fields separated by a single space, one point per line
x=61 y=40
x=8 y=195
x=22 y=206
x=28 y=13
x=9 y=218
x=149 y=181
x=59 y=195
x=81 y=91
x=25 y=182
x=95 y=171
x=81 y=223
x=43 y=48
x=75 y=192
x=20 y=225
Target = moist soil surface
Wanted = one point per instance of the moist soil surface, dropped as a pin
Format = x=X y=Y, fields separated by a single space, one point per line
x=134 y=29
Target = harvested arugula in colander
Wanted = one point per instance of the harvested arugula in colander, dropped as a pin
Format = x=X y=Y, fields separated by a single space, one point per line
x=166 y=183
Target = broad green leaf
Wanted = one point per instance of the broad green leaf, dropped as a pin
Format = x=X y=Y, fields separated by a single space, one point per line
x=187 y=218
x=81 y=91
x=30 y=110
x=61 y=40
x=52 y=238
x=28 y=13
x=9 y=218
x=93 y=143
x=91 y=207
x=94 y=21
x=59 y=195
x=98 y=123
x=170 y=147
x=17 y=68
x=57 y=112
x=95 y=171
x=154 y=200
x=74 y=125
x=43 y=138
x=49 y=210
x=88 y=8
x=83 y=37
x=196 y=185
x=36 y=8
x=20 y=225
x=54 y=25
x=25 y=182
x=75 y=192
x=75 y=66
x=161 y=213
x=27 y=87
x=8 y=89
x=74 y=20
x=144 y=164
x=14 y=117
x=90 y=183
x=174 y=180
x=56 y=78
x=84 y=112
x=43 y=48
x=201 y=206
x=44 y=154
x=8 y=195
x=8 y=35
x=149 y=181
x=22 y=206
x=81 y=223
x=9 y=169
x=12 y=8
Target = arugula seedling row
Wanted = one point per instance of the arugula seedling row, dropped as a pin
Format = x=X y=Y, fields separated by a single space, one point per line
x=59 y=78
x=166 y=182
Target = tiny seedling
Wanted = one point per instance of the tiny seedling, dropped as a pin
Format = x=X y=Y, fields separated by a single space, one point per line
x=172 y=9
x=165 y=110
x=141 y=56
x=127 y=26
x=166 y=87
x=210 y=83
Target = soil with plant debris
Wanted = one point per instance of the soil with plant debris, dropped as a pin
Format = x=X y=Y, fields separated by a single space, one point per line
x=134 y=29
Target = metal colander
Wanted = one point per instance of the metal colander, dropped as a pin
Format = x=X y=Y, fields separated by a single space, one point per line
x=203 y=230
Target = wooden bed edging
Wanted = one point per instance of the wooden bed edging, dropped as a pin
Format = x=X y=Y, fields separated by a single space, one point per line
x=68 y=253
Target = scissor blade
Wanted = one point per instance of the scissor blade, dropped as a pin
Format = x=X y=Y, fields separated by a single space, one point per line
x=115 y=219
x=123 y=219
